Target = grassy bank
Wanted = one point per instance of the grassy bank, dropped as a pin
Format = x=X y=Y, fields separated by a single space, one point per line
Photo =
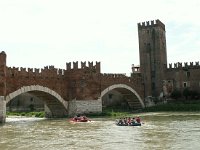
x=189 y=105
x=105 y=113
x=178 y=106
x=27 y=114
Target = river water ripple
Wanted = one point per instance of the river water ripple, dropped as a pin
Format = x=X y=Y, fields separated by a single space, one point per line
x=159 y=131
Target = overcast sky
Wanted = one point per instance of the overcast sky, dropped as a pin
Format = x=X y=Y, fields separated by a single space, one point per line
x=37 y=33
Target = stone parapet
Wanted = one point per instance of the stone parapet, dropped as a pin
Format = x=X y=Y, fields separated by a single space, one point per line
x=48 y=71
x=185 y=65
x=95 y=67
x=150 y=24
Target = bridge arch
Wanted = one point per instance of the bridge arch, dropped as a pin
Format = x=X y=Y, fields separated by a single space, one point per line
x=123 y=86
x=48 y=95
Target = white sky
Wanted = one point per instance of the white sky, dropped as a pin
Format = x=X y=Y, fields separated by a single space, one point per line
x=37 y=33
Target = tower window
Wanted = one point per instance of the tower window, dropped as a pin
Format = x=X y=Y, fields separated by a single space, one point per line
x=31 y=99
x=188 y=74
x=153 y=86
x=186 y=84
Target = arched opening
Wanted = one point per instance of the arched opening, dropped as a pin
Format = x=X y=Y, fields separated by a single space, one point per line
x=121 y=96
x=34 y=98
x=25 y=102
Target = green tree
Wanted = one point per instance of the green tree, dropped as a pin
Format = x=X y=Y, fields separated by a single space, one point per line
x=176 y=94
x=186 y=93
x=194 y=94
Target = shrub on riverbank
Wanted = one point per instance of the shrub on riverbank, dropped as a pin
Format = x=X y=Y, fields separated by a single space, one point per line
x=175 y=106
x=27 y=114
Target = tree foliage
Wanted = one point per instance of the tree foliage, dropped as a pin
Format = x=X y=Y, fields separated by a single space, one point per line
x=176 y=94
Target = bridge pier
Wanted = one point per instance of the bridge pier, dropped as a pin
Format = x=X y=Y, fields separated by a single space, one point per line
x=84 y=107
x=48 y=113
x=2 y=109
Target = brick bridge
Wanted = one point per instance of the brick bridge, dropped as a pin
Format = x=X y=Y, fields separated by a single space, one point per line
x=67 y=92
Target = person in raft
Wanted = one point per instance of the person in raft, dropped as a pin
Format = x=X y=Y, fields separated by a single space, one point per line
x=138 y=120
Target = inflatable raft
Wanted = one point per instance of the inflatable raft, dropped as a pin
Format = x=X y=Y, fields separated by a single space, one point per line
x=79 y=119
x=131 y=124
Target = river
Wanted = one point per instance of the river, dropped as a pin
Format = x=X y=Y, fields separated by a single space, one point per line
x=159 y=131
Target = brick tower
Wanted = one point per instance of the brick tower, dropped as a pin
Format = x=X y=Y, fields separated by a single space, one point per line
x=153 y=56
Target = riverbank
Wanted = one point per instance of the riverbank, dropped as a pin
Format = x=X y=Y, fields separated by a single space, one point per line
x=106 y=113
x=185 y=105
x=176 y=106
x=171 y=106
x=26 y=114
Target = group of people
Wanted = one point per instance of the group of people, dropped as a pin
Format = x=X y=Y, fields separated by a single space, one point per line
x=80 y=118
x=129 y=121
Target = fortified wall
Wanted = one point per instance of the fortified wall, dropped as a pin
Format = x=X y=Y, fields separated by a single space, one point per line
x=185 y=65
x=78 y=87
x=73 y=81
x=184 y=75
x=48 y=77
x=134 y=81
x=84 y=81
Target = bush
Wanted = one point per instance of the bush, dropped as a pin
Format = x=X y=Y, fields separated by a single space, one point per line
x=179 y=106
x=27 y=114
x=23 y=114
x=186 y=93
x=39 y=114
x=176 y=94
x=194 y=94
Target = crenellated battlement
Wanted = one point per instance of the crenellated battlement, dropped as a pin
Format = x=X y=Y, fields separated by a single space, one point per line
x=152 y=23
x=108 y=75
x=185 y=65
x=115 y=78
x=83 y=65
x=120 y=78
x=47 y=71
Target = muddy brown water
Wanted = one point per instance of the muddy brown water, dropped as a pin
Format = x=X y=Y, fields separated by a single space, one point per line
x=159 y=131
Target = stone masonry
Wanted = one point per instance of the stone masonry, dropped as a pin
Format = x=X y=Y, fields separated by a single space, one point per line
x=64 y=91
x=158 y=78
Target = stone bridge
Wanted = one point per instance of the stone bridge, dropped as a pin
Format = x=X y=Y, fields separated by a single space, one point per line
x=69 y=91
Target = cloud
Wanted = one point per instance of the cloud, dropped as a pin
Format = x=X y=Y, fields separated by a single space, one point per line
x=37 y=33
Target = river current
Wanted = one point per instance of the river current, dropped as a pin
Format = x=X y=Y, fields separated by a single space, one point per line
x=159 y=131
